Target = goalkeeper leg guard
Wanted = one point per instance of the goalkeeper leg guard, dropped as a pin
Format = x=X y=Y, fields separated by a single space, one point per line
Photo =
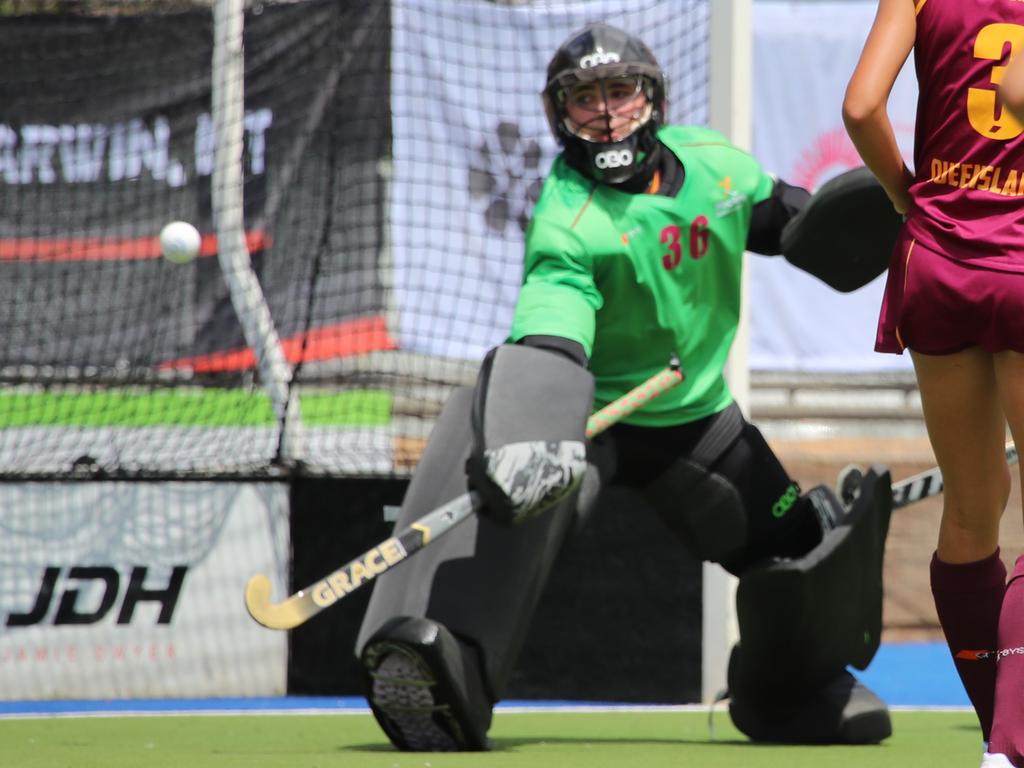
x=425 y=688
x=483 y=580
x=803 y=620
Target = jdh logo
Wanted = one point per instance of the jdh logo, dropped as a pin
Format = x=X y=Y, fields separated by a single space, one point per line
x=70 y=612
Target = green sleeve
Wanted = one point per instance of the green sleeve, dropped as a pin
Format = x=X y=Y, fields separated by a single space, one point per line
x=558 y=297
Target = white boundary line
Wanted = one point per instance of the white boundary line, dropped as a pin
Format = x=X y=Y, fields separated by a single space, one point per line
x=129 y=709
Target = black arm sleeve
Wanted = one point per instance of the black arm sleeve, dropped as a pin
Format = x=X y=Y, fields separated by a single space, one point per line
x=562 y=346
x=770 y=216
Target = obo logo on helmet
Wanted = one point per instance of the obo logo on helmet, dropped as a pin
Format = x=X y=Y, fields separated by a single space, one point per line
x=599 y=57
x=616 y=158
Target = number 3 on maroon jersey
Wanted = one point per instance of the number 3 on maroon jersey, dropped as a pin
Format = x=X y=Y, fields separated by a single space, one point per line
x=983 y=111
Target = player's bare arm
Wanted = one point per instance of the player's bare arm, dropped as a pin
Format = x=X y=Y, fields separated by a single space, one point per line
x=865 y=112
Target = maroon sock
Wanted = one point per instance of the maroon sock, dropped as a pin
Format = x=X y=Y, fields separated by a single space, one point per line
x=968 y=597
x=1008 y=725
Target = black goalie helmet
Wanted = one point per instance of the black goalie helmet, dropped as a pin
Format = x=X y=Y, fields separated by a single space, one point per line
x=605 y=101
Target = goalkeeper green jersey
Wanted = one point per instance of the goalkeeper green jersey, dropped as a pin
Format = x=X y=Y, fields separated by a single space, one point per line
x=635 y=278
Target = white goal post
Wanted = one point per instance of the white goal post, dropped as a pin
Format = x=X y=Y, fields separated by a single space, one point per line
x=247 y=298
x=731 y=72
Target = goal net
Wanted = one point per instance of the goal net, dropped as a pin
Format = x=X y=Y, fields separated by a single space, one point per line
x=361 y=174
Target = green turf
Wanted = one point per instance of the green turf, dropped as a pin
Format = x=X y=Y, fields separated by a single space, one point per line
x=663 y=739
x=187 y=407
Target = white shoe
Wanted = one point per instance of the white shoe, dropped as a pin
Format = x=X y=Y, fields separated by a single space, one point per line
x=997 y=760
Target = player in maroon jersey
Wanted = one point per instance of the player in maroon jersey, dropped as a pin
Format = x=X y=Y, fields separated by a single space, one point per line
x=955 y=299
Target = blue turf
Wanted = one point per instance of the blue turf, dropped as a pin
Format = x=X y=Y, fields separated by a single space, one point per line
x=915 y=675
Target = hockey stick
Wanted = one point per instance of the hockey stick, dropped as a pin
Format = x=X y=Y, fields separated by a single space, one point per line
x=910 y=490
x=308 y=602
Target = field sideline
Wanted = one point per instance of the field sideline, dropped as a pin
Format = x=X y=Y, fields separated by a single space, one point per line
x=522 y=738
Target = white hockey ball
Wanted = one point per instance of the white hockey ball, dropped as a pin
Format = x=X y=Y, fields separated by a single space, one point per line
x=179 y=242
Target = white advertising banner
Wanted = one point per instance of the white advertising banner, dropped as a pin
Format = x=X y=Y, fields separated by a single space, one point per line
x=804 y=54
x=472 y=144
x=135 y=590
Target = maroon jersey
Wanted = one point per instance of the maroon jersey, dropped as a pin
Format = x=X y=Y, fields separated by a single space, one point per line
x=968 y=194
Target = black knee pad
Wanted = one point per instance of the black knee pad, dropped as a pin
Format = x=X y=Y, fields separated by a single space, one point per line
x=703 y=509
x=731 y=501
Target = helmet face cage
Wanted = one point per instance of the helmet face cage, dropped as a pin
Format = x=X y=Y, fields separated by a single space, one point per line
x=590 y=60
x=616 y=96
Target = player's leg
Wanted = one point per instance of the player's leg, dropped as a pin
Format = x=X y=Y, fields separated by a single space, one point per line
x=810 y=579
x=1008 y=717
x=961 y=409
x=443 y=630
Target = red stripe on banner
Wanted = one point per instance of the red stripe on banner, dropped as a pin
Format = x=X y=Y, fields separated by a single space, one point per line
x=107 y=249
x=354 y=337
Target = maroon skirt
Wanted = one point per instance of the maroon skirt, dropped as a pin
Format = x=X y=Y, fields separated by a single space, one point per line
x=938 y=305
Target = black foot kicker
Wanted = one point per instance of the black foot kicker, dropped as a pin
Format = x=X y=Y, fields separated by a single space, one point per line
x=843 y=711
x=424 y=688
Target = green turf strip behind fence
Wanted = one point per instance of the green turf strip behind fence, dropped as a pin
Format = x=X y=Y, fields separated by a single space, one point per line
x=188 y=407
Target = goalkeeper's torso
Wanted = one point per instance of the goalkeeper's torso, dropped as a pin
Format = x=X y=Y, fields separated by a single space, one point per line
x=635 y=277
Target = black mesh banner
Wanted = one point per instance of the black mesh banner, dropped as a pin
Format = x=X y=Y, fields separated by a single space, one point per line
x=106 y=135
